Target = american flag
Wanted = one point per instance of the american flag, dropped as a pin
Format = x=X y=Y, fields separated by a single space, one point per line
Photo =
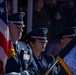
x=6 y=47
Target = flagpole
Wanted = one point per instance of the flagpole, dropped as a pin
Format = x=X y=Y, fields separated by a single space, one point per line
x=15 y=6
x=29 y=15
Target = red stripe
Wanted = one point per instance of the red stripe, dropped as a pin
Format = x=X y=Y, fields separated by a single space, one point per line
x=7 y=46
x=4 y=43
x=10 y=45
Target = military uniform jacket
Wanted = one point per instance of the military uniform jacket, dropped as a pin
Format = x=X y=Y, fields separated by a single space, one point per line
x=44 y=63
x=21 y=61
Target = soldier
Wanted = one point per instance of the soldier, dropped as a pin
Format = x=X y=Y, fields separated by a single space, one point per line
x=65 y=37
x=19 y=64
x=37 y=40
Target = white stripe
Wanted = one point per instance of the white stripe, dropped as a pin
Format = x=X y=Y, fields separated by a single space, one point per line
x=3 y=56
x=4 y=29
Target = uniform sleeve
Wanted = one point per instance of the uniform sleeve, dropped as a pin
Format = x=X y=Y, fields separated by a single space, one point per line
x=15 y=73
x=30 y=71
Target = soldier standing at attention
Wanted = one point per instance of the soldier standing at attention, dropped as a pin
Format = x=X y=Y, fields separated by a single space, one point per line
x=65 y=37
x=37 y=40
x=19 y=64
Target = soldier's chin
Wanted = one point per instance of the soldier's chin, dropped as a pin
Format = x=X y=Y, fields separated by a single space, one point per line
x=19 y=37
x=43 y=50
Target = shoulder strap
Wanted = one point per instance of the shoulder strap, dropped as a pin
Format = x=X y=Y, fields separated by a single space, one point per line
x=30 y=53
x=22 y=61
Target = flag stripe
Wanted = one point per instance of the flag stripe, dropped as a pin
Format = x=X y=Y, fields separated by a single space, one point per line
x=3 y=43
x=3 y=59
x=4 y=29
x=3 y=56
x=6 y=48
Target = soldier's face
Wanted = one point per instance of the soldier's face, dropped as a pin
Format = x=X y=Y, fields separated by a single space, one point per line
x=15 y=32
x=38 y=46
x=64 y=42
